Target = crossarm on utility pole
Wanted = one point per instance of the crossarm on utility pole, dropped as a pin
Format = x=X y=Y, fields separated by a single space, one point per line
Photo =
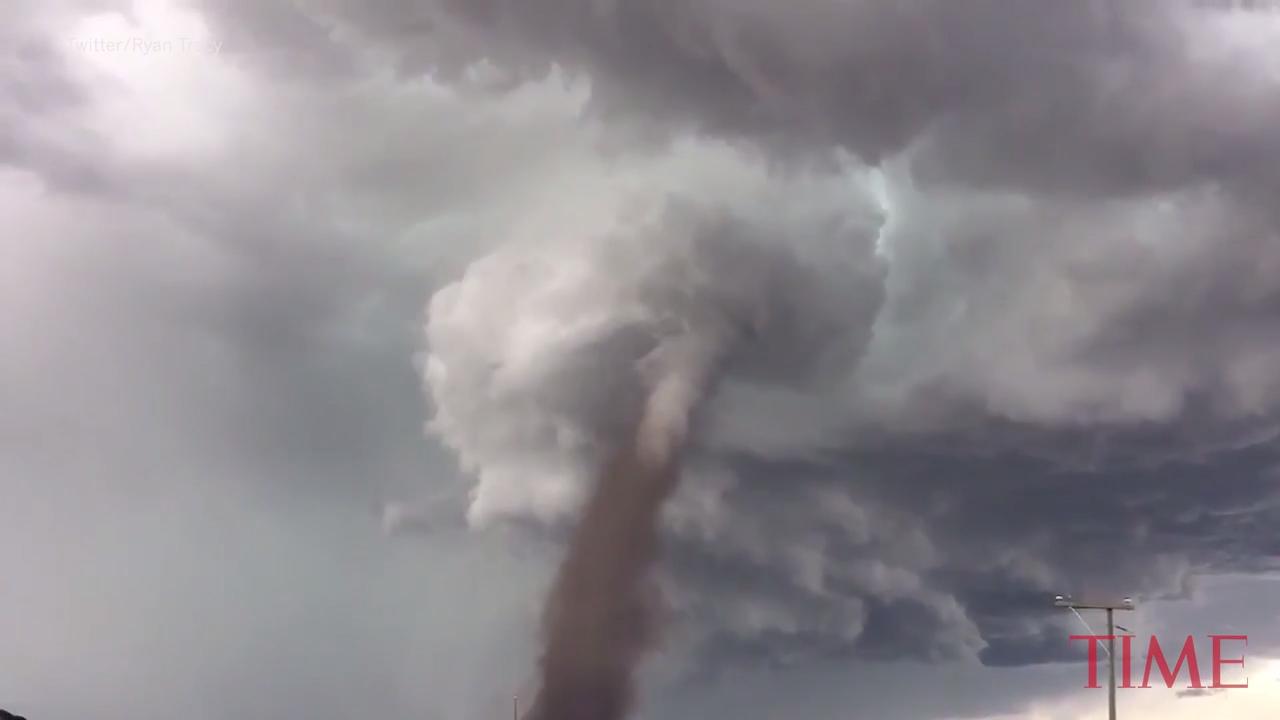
x=1065 y=601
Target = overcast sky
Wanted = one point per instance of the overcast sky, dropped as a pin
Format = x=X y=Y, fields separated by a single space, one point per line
x=316 y=316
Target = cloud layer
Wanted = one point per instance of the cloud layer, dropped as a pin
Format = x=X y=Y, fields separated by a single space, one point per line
x=1063 y=262
x=1012 y=275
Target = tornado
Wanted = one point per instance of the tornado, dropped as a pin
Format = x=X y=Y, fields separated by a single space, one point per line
x=574 y=377
x=599 y=614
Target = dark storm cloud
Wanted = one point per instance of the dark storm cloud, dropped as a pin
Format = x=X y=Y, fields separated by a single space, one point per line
x=995 y=539
x=982 y=461
x=1071 y=165
x=1093 y=97
x=1080 y=256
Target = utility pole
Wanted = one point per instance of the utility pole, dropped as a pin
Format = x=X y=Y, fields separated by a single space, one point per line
x=1065 y=601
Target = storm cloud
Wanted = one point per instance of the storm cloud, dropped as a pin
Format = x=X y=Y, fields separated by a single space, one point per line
x=1013 y=271
x=1070 y=306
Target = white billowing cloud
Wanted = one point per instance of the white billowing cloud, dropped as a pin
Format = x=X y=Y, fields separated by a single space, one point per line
x=534 y=354
x=1062 y=313
x=161 y=90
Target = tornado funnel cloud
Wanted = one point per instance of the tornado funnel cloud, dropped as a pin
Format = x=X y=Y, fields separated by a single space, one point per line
x=573 y=378
x=599 y=615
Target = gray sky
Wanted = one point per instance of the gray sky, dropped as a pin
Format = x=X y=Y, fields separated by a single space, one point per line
x=314 y=319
